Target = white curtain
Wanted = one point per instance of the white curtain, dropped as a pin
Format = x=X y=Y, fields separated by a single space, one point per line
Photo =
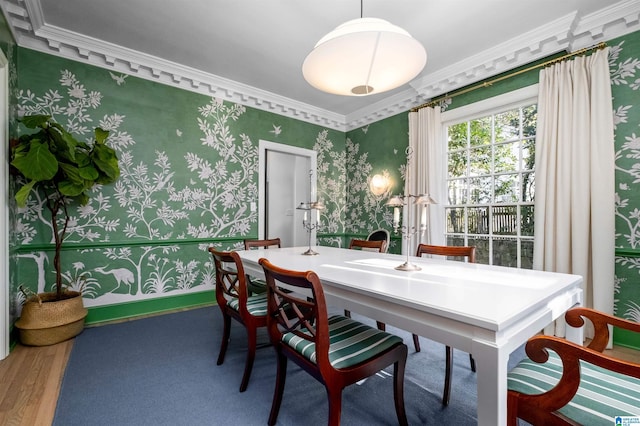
x=426 y=173
x=575 y=187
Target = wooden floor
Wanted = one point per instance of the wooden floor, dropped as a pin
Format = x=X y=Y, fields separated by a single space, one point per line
x=30 y=379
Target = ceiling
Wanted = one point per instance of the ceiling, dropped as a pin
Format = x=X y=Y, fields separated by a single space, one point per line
x=251 y=51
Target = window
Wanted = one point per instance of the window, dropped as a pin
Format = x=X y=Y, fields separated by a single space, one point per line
x=491 y=183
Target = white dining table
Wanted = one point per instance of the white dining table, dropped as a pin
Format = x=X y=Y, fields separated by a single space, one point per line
x=488 y=311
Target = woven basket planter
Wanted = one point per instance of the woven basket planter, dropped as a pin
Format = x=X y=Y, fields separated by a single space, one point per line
x=47 y=321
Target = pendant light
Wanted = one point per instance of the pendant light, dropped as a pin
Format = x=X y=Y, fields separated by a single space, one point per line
x=362 y=57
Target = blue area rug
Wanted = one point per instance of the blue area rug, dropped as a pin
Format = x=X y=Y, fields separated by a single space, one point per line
x=162 y=371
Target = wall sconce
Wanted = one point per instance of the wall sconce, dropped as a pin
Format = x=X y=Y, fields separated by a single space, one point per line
x=380 y=184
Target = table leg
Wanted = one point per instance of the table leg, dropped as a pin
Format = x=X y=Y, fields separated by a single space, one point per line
x=491 y=370
x=576 y=335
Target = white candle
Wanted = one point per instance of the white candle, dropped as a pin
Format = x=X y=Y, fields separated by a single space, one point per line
x=306 y=216
x=423 y=219
x=318 y=216
x=396 y=216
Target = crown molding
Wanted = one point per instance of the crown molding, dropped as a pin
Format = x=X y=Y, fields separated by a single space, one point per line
x=568 y=33
x=606 y=24
x=31 y=32
x=526 y=48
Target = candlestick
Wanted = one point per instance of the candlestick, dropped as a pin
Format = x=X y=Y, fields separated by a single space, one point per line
x=407 y=231
x=307 y=220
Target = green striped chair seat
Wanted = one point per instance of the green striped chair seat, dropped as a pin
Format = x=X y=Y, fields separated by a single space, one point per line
x=602 y=395
x=257 y=285
x=256 y=305
x=350 y=342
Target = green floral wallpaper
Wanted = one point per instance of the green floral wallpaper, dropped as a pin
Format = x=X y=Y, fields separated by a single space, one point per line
x=624 y=63
x=375 y=149
x=188 y=178
x=189 y=174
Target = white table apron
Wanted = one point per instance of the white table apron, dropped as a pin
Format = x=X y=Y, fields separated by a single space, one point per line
x=487 y=311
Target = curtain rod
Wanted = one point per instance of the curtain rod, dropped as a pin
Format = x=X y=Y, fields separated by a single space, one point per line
x=438 y=99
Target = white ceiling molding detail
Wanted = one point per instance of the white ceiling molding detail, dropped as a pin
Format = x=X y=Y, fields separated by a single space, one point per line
x=526 y=48
x=615 y=21
x=569 y=33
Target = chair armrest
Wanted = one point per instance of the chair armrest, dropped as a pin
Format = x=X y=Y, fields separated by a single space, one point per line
x=580 y=368
x=571 y=353
x=601 y=321
x=544 y=407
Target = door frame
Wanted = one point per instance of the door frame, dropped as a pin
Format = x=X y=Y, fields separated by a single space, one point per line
x=4 y=209
x=263 y=147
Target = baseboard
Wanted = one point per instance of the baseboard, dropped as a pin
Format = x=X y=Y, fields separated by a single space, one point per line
x=626 y=338
x=125 y=311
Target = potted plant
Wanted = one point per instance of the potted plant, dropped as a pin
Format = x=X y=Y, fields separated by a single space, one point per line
x=51 y=160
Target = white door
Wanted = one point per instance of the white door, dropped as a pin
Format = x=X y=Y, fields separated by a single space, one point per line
x=285 y=189
x=284 y=183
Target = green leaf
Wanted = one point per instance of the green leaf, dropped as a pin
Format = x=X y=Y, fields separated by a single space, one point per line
x=71 y=189
x=39 y=164
x=33 y=121
x=106 y=161
x=101 y=135
x=82 y=159
x=83 y=198
x=89 y=173
x=64 y=141
x=23 y=193
x=20 y=149
x=72 y=174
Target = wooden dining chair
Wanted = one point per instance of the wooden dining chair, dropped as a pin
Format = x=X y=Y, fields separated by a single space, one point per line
x=257 y=285
x=336 y=351
x=468 y=252
x=234 y=301
x=564 y=383
x=380 y=234
x=367 y=245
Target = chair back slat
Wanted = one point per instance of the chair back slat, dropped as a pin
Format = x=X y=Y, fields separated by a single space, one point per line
x=381 y=234
x=468 y=252
x=367 y=245
x=300 y=309
x=230 y=278
x=272 y=242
